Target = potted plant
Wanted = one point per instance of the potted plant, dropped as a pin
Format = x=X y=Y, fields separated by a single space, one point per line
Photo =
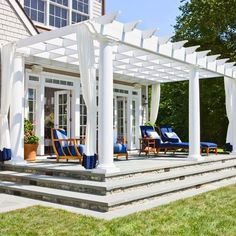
x=149 y=123
x=31 y=141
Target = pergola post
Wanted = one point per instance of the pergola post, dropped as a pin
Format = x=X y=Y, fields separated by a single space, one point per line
x=17 y=111
x=194 y=115
x=105 y=110
x=234 y=117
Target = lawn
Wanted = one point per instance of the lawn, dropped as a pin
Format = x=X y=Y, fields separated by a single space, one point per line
x=212 y=213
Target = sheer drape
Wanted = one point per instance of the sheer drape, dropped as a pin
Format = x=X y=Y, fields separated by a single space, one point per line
x=88 y=82
x=155 y=102
x=7 y=61
x=229 y=106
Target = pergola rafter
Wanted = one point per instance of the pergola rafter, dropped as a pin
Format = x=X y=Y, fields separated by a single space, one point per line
x=137 y=53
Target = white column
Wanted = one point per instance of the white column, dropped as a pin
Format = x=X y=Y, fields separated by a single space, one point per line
x=194 y=115
x=17 y=112
x=40 y=116
x=105 y=118
x=234 y=117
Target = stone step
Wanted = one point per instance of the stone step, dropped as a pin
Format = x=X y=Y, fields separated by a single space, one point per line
x=113 y=201
x=170 y=167
x=56 y=182
x=76 y=171
x=55 y=169
x=112 y=185
x=166 y=177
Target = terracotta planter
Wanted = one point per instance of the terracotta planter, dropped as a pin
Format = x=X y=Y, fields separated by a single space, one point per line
x=30 y=151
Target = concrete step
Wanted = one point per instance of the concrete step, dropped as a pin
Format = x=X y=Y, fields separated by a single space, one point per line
x=113 y=201
x=112 y=186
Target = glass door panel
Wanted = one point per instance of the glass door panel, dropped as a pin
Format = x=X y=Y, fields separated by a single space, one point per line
x=121 y=109
x=62 y=110
x=133 y=114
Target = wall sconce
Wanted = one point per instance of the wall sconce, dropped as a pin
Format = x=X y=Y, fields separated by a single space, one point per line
x=37 y=69
x=137 y=86
x=144 y=100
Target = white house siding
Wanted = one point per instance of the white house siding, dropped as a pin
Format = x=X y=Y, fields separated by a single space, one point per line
x=11 y=27
x=97 y=8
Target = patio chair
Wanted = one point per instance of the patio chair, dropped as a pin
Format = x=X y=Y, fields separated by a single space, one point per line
x=64 y=147
x=120 y=148
x=168 y=135
x=148 y=144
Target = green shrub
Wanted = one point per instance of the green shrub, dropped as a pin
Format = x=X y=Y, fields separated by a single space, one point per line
x=29 y=135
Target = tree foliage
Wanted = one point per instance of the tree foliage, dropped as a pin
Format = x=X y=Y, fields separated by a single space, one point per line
x=212 y=25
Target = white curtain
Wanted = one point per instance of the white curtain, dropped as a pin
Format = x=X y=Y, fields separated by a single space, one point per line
x=7 y=60
x=155 y=102
x=229 y=106
x=88 y=82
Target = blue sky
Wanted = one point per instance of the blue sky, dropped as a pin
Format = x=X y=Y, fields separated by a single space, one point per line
x=159 y=14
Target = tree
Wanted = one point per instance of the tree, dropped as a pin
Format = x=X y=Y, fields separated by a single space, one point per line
x=212 y=25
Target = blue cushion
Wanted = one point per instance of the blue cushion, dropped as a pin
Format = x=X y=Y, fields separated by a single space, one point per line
x=185 y=145
x=144 y=130
x=166 y=129
x=114 y=137
x=72 y=150
x=119 y=148
x=208 y=145
x=174 y=145
x=61 y=134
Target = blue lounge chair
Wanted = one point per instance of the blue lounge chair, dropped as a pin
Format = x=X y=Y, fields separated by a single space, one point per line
x=149 y=144
x=64 y=147
x=120 y=148
x=168 y=135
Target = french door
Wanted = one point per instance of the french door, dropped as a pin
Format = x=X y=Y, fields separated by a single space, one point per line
x=134 y=123
x=120 y=116
x=62 y=110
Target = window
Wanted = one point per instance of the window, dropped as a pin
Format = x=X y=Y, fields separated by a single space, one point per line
x=35 y=10
x=80 y=11
x=56 y=81
x=32 y=106
x=80 y=5
x=77 y=17
x=57 y=13
x=58 y=16
x=61 y=2
x=33 y=78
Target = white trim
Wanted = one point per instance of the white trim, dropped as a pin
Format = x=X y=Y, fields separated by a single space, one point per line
x=23 y=17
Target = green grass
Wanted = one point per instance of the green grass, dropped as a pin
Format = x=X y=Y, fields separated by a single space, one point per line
x=212 y=213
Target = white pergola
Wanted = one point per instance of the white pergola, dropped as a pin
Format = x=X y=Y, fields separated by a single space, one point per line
x=139 y=56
